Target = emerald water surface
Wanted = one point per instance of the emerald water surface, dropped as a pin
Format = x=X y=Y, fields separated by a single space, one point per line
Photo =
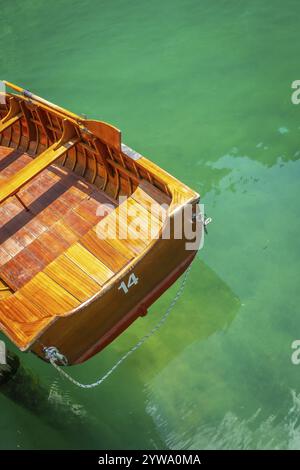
x=202 y=88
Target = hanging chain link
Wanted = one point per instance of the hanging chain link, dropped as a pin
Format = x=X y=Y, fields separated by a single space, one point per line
x=53 y=355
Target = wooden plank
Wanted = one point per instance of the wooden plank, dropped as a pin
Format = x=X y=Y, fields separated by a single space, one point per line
x=89 y=263
x=119 y=245
x=151 y=198
x=143 y=222
x=21 y=319
x=76 y=223
x=14 y=163
x=4 y=256
x=40 y=190
x=48 y=246
x=116 y=226
x=69 y=276
x=22 y=333
x=5 y=294
x=40 y=236
x=71 y=195
x=9 y=157
x=20 y=309
x=32 y=169
x=105 y=252
x=48 y=295
x=93 y=210
x=20 y=269
x=68 y=234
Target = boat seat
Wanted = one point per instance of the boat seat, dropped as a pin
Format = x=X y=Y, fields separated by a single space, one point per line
x=13 y=184
x=10 y=122
x=82 y=270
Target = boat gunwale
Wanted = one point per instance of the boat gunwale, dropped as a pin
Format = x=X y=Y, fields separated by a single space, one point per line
x=148 y=165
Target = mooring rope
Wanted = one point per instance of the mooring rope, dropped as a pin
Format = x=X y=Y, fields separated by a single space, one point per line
x=53 y=355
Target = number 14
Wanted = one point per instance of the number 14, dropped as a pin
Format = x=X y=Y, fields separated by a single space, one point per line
x=132 y=281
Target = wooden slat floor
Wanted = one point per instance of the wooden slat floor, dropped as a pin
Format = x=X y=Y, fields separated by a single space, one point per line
x=62 y=209
x=56 y=255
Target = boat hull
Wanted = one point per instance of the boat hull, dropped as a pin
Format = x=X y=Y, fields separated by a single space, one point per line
x=84 y=333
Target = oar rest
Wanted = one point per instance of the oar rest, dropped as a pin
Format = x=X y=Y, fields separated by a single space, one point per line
x=12 y=185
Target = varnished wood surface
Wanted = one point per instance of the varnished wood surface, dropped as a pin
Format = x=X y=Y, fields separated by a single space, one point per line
x=51 y=254
x=16 y=182
x=60 y=273
x=61 y=209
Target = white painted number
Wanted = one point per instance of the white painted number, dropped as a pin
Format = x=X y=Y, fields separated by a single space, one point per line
x=132 y=281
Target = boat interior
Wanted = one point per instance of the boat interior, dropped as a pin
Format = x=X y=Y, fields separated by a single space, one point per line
x=56 y=172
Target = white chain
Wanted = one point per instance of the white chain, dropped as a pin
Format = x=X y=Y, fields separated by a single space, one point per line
x=53 y=357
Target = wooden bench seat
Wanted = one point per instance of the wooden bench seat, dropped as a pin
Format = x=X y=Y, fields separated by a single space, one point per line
x=16 y=182
x=5 y=124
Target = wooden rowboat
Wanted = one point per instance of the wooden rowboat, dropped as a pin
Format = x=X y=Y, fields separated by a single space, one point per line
x=67 y=279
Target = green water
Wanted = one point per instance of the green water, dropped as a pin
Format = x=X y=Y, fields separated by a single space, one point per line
x=203 y=88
